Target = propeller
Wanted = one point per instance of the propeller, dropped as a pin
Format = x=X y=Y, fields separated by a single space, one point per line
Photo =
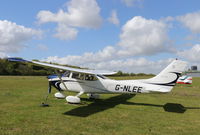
x=44 y=104
x=61 y=80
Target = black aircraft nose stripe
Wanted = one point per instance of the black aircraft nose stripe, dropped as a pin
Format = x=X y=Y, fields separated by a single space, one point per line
x=56 y=84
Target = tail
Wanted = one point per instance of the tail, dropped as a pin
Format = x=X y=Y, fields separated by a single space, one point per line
x=167 y=78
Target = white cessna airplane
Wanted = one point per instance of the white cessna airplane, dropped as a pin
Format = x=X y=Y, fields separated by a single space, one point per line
x=93 y=82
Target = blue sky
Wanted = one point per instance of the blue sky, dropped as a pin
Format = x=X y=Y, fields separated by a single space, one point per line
x=128 y=35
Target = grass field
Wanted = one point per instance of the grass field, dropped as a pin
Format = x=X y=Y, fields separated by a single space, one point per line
x=175 y=113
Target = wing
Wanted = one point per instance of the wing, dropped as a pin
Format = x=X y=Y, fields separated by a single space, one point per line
x=99 y=72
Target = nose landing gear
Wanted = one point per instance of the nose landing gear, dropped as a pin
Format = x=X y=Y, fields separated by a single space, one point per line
x=59 y=95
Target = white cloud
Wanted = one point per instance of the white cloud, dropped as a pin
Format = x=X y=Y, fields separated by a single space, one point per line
x=140 y=65
x=106 y=54
x=192 y=55
x=191 y=21
x=113 y=18
x=80 y=13
x=141 y=36
x=131 y=3
x=65 y=33
x=107 y=59
x=13 y=36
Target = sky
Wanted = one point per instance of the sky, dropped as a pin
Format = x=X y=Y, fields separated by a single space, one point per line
x=128 y=35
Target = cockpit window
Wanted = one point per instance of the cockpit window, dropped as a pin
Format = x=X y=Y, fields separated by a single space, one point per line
x=81 y=76
x=89 y=77
x=76 y=75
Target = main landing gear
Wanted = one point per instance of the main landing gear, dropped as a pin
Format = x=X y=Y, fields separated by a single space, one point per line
x=69 y=99
x=74 y=99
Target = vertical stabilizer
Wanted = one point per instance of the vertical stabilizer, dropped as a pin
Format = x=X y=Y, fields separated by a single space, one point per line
x=169 y=75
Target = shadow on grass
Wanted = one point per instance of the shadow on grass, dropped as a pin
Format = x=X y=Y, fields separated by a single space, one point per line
x=98 y=105
x=168 y=107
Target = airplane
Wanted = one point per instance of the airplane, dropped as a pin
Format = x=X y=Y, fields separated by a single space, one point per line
x=94 y=82
x=184 y=80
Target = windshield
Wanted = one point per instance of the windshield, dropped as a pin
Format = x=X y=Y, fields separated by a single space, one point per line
x=66 y=74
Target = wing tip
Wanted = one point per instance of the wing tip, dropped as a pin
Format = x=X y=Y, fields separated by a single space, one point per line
x=15 y=59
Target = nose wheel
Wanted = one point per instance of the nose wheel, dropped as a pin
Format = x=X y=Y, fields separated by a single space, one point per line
x=59 y=95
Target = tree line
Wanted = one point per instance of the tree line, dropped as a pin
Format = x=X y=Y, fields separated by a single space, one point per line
x=20 y=68
x=29 y=69
x=120 y=73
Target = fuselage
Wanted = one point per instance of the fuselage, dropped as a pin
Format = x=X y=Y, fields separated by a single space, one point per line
x=100 y=84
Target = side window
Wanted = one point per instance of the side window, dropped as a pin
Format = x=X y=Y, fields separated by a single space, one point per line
x=82 y=76
x=89 y=77
x=75 y=75
x=78 y=76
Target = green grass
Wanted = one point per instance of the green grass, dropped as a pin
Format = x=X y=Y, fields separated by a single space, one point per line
x=143 y=114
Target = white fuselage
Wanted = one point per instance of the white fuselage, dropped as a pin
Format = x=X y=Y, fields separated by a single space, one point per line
x=108 y=86
x=96 y=83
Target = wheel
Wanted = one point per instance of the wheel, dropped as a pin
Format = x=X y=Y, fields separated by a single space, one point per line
x=73 y=99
